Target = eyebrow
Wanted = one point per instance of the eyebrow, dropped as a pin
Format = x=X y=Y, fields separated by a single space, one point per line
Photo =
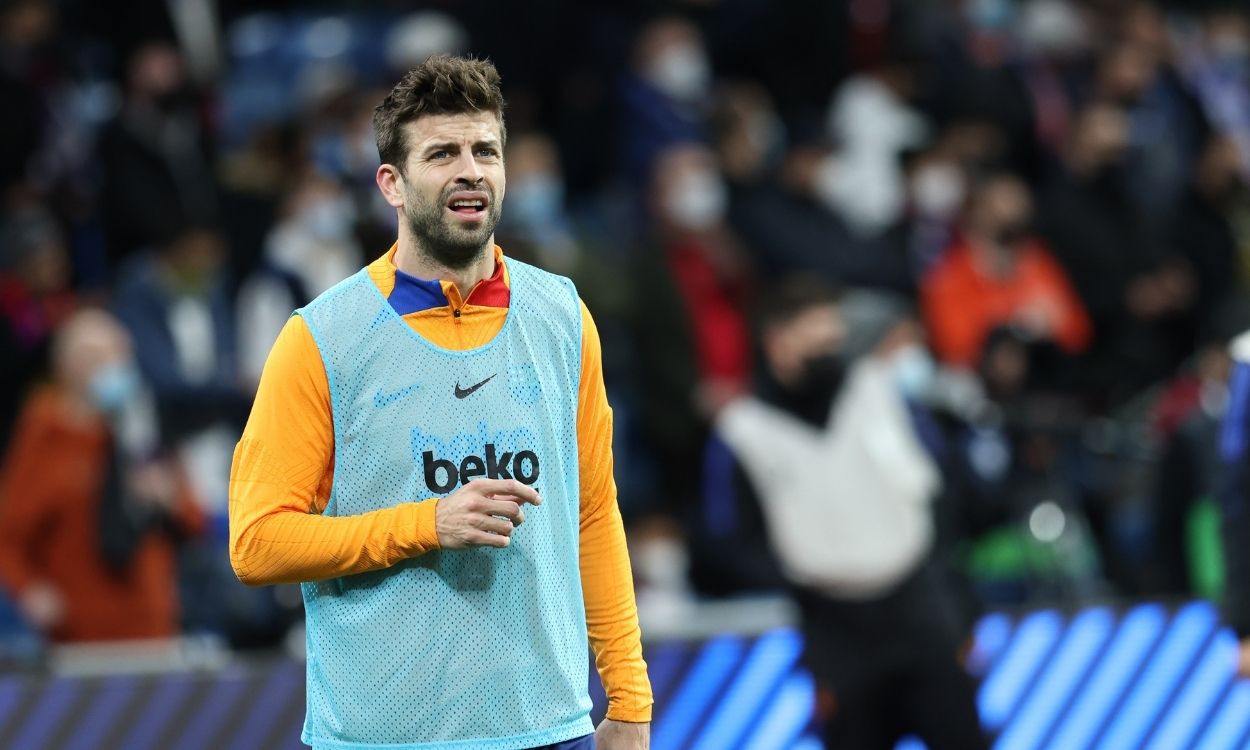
x=453 y=146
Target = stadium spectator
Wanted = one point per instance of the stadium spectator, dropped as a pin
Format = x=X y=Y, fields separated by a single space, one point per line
x=821 y=482
x=35 y=298
x=1137 y=292
x=999 y=274
x=155 y=156
x=32 y=74
x=538 y=227
x=871 y=121
x=177 y=305
x=309 y=249
x=1166 y=125
x=1202 y=228
x=91 y=508
x=665 y=96
x=690 y=335
x=1216 y=63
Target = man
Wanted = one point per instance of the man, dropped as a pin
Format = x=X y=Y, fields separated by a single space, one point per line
x=402 y=421
x=91 y=512
x=827 y=489
x=996 y=275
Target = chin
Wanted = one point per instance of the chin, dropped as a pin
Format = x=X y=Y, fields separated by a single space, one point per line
x=459 y=255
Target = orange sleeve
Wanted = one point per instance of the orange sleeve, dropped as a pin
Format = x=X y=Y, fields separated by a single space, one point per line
x=279 y=484
x=25 y=507
x=1073 y=332
x=607 y=580
x=950 y=315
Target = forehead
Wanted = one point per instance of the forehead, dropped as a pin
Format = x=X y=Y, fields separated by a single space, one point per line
x=468 y=127
x=820 y=323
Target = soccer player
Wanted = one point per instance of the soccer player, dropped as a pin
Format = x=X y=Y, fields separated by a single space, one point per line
x=429 y=454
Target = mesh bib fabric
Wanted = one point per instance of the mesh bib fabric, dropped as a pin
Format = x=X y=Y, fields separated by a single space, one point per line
x=482 y=648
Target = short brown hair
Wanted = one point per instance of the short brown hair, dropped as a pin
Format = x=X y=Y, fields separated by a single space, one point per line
x=791 y=296
x=442 y=85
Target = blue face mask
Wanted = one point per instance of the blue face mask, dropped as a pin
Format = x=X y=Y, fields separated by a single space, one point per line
x=989 y=15
x=113 y=386
x=534 y=200
x=330 y=219
x=913 y=371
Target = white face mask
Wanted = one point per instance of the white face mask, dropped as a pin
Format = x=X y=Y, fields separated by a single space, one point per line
x=681 y=72
x=937 y=190
x=329 y=218
x=697 y=201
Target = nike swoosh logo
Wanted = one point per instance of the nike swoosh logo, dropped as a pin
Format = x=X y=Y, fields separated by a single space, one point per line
x=465 y=392
x=381 y=400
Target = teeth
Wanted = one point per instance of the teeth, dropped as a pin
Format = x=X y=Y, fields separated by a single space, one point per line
x=474 y=204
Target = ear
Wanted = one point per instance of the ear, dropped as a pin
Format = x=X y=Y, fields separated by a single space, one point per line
x=778 y=353
x=391 y=183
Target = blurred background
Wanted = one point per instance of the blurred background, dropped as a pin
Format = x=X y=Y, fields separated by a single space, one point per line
x=1036 y=213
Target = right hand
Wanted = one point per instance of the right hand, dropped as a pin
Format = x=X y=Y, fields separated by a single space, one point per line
x=482 y=513
x=42 y=605
x=154 y=485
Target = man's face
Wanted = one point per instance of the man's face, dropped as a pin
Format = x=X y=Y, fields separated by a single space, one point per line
x=454 y=185
x=816 y=333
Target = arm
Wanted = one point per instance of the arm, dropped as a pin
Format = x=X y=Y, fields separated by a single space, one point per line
x=1073 y=331
x=26 y=511
x=280 y=482
x=607 y=580
x=955 y=327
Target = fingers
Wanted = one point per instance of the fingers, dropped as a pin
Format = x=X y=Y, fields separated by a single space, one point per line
x=483 y=539
x=483 y=513
x=492 y=525
x=505 y=508
x=518 y=491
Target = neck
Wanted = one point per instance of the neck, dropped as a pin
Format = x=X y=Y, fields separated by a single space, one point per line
x=988 y=258
x=415 y=261
x=78 y=407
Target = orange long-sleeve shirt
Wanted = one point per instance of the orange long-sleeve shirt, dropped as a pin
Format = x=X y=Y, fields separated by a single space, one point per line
x=962 y=304
x=284 y=466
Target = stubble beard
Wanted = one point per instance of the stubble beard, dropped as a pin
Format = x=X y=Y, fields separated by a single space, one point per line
x=436 y=236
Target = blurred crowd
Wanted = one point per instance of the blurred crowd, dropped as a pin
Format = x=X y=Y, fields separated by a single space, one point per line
x=1031 y=218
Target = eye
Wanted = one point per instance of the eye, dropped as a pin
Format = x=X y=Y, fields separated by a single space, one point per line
x=443 y=154
x=487 y=153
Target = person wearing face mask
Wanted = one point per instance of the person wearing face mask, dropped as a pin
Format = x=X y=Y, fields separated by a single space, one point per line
x=666 y=95
x=998 y=274
x=87 y=546
x=536 y=220
x=311 y=248
x=154 y=155
x=693 y=338
x=819 y=484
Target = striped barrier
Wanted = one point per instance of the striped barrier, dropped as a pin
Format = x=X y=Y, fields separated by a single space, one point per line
x=1147 y=677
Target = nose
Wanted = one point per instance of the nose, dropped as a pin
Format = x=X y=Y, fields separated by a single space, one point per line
x=468 y=170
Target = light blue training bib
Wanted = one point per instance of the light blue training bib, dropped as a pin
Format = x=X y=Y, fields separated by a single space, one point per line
x=482 y=648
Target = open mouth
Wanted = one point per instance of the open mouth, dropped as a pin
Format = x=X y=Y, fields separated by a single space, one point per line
x=469 y=205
